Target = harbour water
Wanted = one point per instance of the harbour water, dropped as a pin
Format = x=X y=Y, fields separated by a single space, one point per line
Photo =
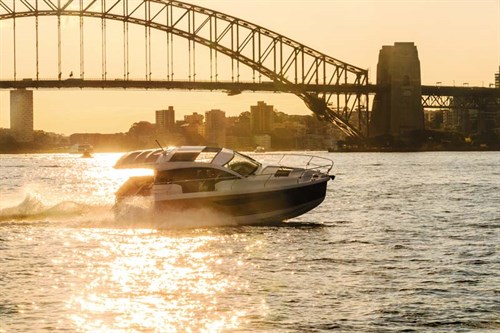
x=403 y=242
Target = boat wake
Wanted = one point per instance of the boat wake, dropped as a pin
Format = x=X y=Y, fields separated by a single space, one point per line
x=134 y=213
x=32 y=209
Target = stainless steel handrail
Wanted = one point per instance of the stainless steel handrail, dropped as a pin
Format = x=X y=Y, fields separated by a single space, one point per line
x=322 y=162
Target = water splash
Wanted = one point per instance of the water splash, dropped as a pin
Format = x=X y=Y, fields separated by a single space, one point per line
x=139 y=212
x=136 y=212
x=31 y=205
x=32 y=208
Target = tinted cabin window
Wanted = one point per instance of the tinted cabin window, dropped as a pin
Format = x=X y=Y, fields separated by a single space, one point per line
x=283 y=172
x=206 y=157
x=193 y=179
x=184 y=157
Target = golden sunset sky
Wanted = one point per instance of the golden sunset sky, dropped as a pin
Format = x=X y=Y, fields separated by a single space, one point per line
x=458 y=42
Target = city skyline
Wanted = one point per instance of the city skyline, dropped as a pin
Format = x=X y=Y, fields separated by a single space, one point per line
x=448 y=34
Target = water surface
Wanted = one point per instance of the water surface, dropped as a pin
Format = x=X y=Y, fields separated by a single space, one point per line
x=403 y=242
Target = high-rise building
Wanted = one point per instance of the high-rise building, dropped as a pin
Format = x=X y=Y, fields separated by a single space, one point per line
x=165 y=120
x=215 y=128
x=261 y=118
x=194 y=119
x=194 y=128
x=497 y=78
x=21 y=115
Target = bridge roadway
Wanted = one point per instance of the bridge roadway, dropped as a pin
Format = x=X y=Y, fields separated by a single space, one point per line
x=237 y=87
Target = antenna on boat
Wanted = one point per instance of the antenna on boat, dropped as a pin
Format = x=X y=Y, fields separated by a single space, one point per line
x=159 y=145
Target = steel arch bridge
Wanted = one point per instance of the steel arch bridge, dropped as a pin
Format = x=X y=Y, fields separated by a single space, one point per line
x=247 y=55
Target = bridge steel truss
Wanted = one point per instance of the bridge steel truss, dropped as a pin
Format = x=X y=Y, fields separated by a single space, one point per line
x=442 y=97
x=291 y=66
x=486 y=101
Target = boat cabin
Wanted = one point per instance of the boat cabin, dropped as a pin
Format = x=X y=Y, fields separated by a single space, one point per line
x=185 y=169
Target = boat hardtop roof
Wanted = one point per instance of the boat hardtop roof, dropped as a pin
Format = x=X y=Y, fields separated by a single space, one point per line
x=153 y=158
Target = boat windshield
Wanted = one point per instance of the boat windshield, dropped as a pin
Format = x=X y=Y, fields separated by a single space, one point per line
x=242 y=164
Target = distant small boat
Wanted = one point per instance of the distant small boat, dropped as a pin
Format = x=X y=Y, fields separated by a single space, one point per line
x=259 y=149
x=86 y=154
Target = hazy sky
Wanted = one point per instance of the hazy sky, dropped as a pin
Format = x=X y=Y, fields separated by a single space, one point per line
x=458 y=42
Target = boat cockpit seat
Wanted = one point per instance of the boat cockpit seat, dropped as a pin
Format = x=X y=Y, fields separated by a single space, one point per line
x=168 y=189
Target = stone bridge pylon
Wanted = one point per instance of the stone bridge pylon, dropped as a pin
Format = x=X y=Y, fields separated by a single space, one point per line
x=397 y=107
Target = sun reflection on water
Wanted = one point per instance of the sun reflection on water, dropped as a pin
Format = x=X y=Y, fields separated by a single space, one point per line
x=140 y=280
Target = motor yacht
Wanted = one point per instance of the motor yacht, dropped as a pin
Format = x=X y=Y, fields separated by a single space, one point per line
x=228 y=182
x=259 y=149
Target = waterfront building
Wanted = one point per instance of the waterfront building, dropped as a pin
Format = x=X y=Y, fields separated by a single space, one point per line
x=165 y=120
x=193 y=129
x=451 y=120
x=262 y=140
x=497 y=78
x=238 y=134
x=103 y=142
x=434 y=119
x=194 y=119
x=495 y=110
x=261 y=118
x=289 y=132
x=241 y=143
x=215 y=128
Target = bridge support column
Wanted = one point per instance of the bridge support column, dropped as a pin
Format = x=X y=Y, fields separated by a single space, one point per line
x=397 y=110
x=21 y=115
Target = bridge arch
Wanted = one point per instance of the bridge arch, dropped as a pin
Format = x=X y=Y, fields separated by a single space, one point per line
x=319 y=80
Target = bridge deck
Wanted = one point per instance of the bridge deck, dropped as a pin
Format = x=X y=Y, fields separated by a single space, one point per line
x=236 y=87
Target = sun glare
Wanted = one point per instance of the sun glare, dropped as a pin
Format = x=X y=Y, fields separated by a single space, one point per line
x=167 y=284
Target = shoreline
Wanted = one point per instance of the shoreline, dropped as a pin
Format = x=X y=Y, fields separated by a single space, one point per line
x=351 y=150
x=413 y=150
